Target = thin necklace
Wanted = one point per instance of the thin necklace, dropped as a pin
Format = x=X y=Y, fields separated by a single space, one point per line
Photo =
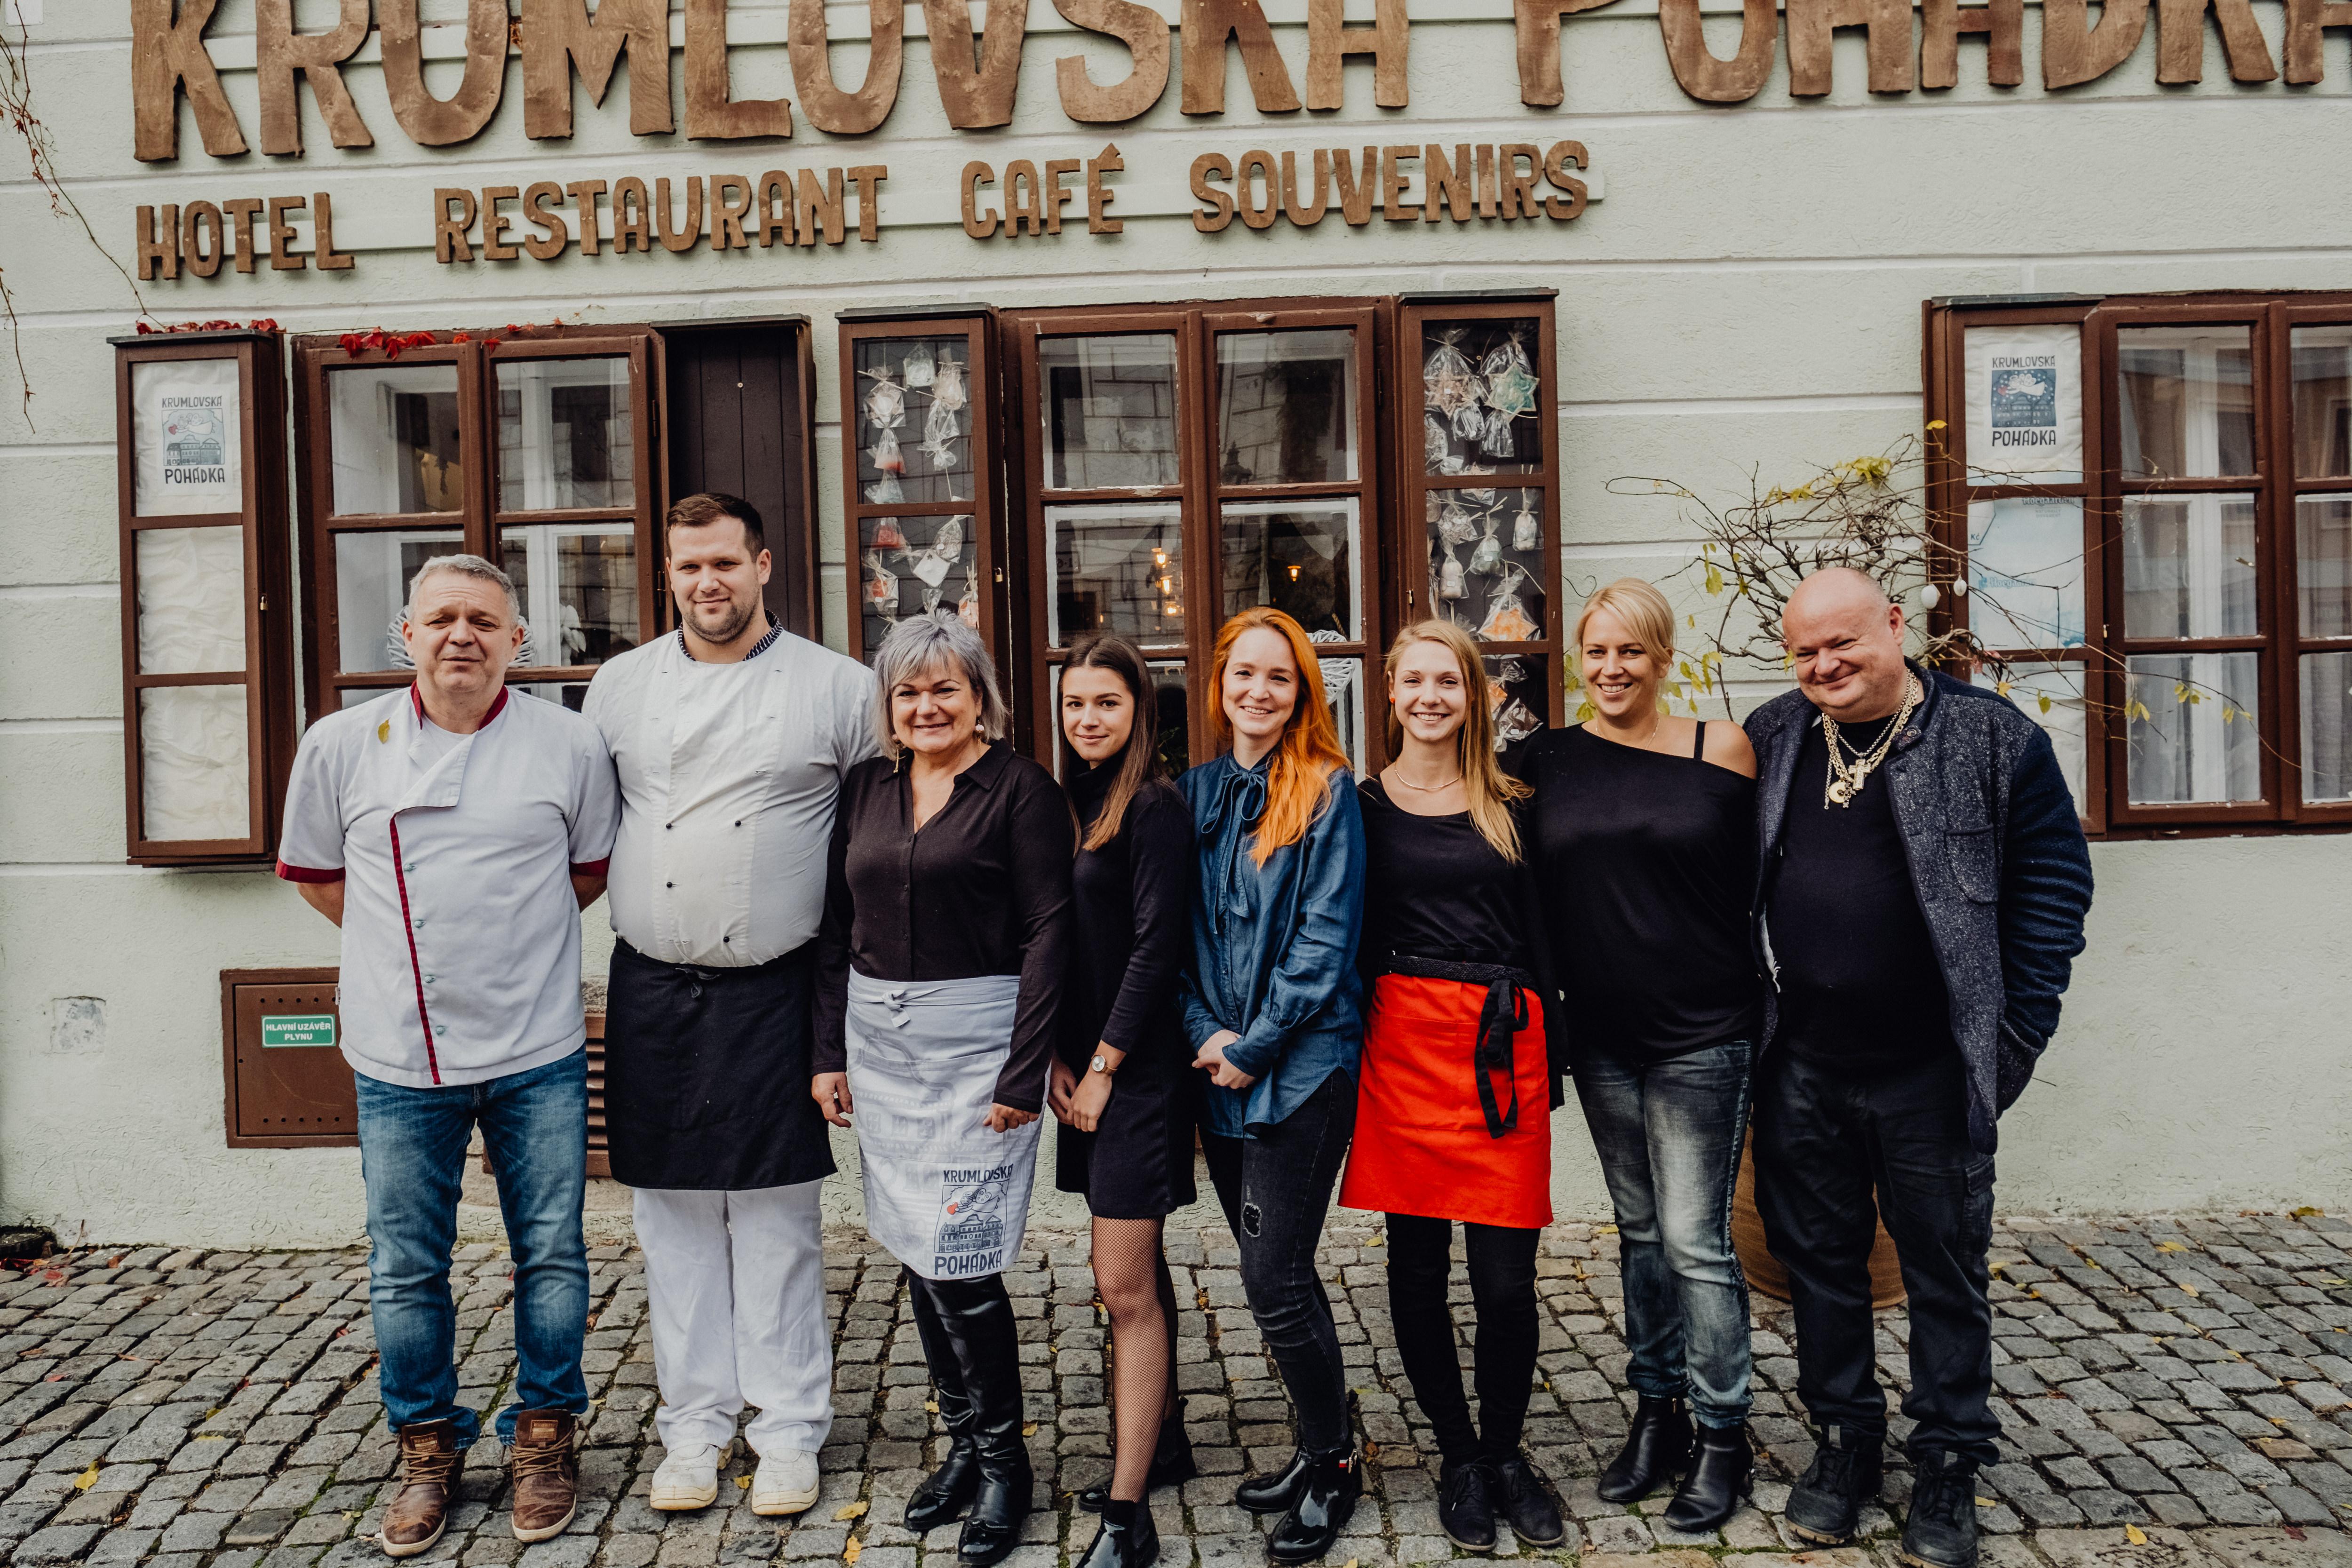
x=1429 y=789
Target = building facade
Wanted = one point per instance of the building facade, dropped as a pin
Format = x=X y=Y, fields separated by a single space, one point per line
x=1114 y=316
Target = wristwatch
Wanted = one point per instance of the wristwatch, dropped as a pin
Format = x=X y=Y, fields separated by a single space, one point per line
x=1100 y=1064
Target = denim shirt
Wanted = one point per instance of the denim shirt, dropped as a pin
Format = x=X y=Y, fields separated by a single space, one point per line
x=1272 y=950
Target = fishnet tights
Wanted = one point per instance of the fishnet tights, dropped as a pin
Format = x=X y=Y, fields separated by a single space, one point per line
x=1131 y=1275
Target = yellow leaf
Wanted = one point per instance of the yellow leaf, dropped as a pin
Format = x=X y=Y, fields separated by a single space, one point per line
x=2187 y=1289
x=88 y=1479
x=1378 y=1241
x=1934 y=425
x=1604 y=1230
x=1030 y=1430
x=2044 y=700
x=2136 y=1535
x=744 y=1482
x=849 y=1553
x=2306 y=1211
x=1713 y=579
x=2001 y=686
x=848 y=1511
x=1988 y=1503
x=2170 y=1246
x=932 y=1406
x=1586 y=711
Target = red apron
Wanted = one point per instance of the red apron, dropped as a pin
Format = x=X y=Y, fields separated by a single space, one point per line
x=1422 y=1146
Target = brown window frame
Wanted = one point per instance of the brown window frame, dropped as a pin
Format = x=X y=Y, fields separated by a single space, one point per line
x=2280 y=645
x=479 y=519
x=268 y=675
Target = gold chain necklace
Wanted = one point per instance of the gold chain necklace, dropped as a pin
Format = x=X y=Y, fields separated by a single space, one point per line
x=1429 y=789
x=1846 y=779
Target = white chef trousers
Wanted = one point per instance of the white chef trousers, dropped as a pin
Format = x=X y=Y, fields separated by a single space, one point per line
x=735 y=1283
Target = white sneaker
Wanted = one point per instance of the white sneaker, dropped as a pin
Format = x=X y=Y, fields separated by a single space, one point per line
x=689 y=1476
x=785 y=1483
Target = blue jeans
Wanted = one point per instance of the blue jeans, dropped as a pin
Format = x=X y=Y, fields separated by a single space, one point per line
x=412 y=1154
x=1669 y=1133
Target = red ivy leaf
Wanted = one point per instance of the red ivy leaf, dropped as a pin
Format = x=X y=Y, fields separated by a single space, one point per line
x=461 y=336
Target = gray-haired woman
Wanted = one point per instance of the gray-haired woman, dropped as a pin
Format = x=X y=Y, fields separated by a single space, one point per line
x=939 y=970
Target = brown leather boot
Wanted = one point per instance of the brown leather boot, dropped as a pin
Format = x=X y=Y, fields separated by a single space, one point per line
x=546 y=1473
x=419 y=1511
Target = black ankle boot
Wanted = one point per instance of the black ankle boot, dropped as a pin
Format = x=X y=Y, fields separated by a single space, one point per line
x=1722 y=1472
x=1127 y=1538
x=1525 y=1498
x=1171 y=1462
x=1941 y=1532
x=1325 y=1502
x=1656 y=1446
x=1276 y=1492
x=948 y=1490
x=1466 y=1505
x=1826 y=1503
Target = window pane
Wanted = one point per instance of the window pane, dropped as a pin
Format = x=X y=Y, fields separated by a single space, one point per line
x=2323 y=402
x=193 y=763
x=2328 y=726
x=2323 y=564
x=564 y=436
x=1287 y=406
x=2025 y=573
x=2189 y=566
x=914 y=420
x=1110 y=411
x=190 y=600
x=395 y=435
x=2186 y=399
x=372 y=576
x=1516 y=697
x=912 y=564
x=1302 y=560
x=2193 y=733
x=1343 y=689
x=572 y=694
x=1481 y=409
x=1115 y=569
x=2052 y=695
x=1487 y=562
x=578 y=582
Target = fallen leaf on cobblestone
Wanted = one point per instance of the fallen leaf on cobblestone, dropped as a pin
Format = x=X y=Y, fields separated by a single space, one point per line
x=2170 y=1246
x=2136 y=1535
x=88 y=1479
x=1604 y=1230
x=2306 y=1212
x=1030 y=1430
x=849 y=1553
x=932 y=1406
x=743 y=1482
x=2187 y=1289
x=848 y=1511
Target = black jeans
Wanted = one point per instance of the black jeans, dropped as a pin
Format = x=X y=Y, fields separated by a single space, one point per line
x=1276 y=1189
x=1827 y=1139
x=1502 y=1294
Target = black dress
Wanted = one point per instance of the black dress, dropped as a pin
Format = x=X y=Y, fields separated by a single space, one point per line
x=1131 y=901
x=1646 y=861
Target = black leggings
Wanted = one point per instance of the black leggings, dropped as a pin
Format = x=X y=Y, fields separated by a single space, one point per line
x=1276 y=1189
x=1503 y=1289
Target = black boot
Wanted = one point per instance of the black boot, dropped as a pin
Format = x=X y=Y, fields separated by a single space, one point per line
x=1171 y=1462
x=1276 y=1492
x=1527 y=1501
x=1722 y=1472
x=1655 y=1448
x=1826 y=1504
x=1325 y=1502
x=948 y=1490
x=976 y=1316
x=1127 y=1538
x=1466 y=1505
x=1942 y=1529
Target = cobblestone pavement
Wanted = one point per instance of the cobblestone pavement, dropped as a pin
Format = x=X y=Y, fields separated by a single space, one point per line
x=2173 y=1394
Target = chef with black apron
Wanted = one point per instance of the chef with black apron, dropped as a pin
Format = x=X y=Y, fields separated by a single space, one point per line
x=731 y=737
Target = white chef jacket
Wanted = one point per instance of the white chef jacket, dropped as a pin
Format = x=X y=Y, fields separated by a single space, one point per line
x=461 y=933
x=729 y=774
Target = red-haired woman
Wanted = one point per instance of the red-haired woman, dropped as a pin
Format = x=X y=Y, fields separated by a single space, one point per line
x=1121 y=1084
x=1271 y=1003
x=1453 y=1121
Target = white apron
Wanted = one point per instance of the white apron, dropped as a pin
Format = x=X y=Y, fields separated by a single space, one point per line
x=945 y=1195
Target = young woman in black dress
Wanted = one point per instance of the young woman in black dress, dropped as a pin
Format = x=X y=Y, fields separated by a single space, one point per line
x=1122 y=1084
x=1644 y=844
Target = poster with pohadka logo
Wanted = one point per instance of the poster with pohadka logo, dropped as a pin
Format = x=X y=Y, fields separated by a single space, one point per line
x=2025 y=405
x=973 y=1228
x=184 y=427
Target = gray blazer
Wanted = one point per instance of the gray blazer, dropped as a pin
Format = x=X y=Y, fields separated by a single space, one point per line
x=1997 y=858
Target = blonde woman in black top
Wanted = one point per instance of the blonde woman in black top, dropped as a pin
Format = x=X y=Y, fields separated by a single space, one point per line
x=1644 y=829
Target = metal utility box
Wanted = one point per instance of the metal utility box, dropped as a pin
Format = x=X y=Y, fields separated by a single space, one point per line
x=286 y=1085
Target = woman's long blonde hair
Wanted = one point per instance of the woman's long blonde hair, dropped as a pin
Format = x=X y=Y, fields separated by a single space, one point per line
x=1298 y=779
x=1491 y=791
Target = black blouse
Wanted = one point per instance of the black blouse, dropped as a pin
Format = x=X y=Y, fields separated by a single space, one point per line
x=1646 y=861
x=983 y=889
x=1132 y=898
x=1433 y=888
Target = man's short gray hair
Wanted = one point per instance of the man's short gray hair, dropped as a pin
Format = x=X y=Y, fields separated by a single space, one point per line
x=472 y=566
x=921 y=643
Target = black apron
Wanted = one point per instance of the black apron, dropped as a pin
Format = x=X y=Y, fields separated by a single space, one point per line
x=707 y=1075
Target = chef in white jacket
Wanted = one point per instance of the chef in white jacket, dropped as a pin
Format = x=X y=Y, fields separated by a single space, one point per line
x=731 y=737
